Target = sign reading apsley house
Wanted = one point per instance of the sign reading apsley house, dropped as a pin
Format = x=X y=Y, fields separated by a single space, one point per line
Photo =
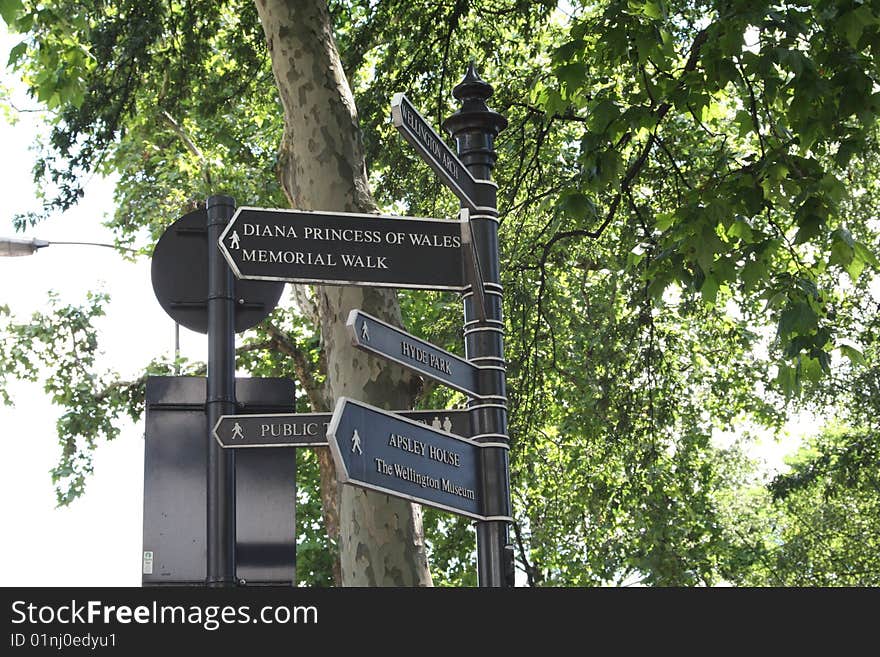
x=344 y=249
x=383 y=451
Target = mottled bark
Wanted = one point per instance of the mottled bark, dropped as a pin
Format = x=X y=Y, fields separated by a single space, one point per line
x=381 y=541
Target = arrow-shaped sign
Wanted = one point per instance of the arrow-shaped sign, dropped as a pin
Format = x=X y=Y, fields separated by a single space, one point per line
x=344 y=249
x=380 y=338
x=310 y=429
x=382 y=451
x=418 y=132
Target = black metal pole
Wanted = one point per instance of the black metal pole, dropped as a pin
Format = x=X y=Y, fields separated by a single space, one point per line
x=475 y=127
x=220 y=399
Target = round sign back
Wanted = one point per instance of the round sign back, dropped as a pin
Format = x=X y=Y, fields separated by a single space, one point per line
x=180 y=279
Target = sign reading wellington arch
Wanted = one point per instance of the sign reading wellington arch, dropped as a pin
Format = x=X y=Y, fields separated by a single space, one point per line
x=380 y=338
x=418 y=132
x=334 y=248
x=310 y=429
x=385 y=452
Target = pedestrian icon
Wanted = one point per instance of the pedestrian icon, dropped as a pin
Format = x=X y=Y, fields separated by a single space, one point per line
x=234 y=240
x=356 y=442
x=365 y=332
x=237 y=431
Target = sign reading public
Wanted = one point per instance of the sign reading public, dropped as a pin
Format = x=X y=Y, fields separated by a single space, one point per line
x=418 y=132
x=380 y=338
x=344 y=249
x=310 y=429
x=376 y=449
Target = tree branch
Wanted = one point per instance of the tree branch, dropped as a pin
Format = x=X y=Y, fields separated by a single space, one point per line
x=301 y=365
x=190 y=146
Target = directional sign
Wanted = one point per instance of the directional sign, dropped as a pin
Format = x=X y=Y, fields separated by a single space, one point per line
x=310 y=429
x=418 y=132
x=378 y=337
x=344 y=249
x=272 y=430
x=376 y=449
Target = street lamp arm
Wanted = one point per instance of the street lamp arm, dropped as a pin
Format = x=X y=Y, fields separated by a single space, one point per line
x=12 y=247
x=109 y=246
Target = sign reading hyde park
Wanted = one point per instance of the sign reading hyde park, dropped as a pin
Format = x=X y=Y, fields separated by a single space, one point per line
x=382 y=451
x=344 y=249
x=375 y=336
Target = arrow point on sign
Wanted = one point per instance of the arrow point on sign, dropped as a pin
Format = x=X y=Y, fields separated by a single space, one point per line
x=216 y=429
x=332 y=428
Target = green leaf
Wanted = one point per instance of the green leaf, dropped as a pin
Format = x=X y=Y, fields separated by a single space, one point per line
x=577 y=206
x=843 y=251
x=657 y=287
x=709 y=290
x=810 y=227
x=653 y=10
x=16 y=53
x=744 y=121
x=855 y=356
x=741 y=229
x=9 y=9
x=787 y=380
x=810 y=369
x=727 y=72
x=799 y=318
x=567 y=50
x=866 y=255
x=572 y=75
x=603 y=114
x=852 y=24
x=752 y=272
x=845 y=236
x=650 y=8
x=664 y=220
x=855 y=268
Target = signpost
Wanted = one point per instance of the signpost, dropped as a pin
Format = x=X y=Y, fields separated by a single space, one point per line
x=476 y=194
x=380 y=338
x=382 y=451
x=344 y=249
x=310 y=429
x=474 y=127
x=373 y=448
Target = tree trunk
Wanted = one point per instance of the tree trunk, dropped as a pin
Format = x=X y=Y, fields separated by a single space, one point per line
x=321 y=166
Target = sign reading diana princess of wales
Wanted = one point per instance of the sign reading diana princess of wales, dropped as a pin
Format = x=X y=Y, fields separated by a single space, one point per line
x=418 y=132
x=380 y=338
x=376 y=449
x=344 y=249
x=310 y=429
